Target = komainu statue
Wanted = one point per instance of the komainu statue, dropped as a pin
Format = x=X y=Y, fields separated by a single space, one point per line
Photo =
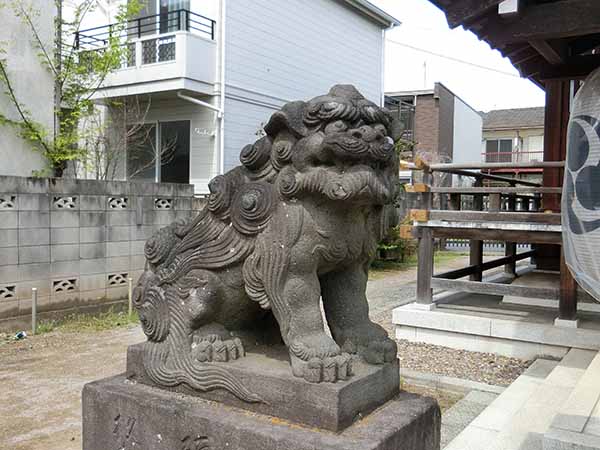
x=298 y=222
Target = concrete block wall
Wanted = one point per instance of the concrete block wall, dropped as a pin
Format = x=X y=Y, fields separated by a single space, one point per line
x=78 y=241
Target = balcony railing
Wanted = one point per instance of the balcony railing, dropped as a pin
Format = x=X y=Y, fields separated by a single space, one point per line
x=515 y=157
x=156 y=25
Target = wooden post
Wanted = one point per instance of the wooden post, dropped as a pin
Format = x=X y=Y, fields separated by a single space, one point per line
x=537 y=203
x=510 y=248
x=558 y=97
x=455 y=200
x=495 y=202
x=425 y=253
x=425 y=267
x=476 y=246
x=567 y=304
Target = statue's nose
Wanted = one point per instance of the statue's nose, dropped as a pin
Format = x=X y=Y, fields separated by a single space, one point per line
x=366 y=133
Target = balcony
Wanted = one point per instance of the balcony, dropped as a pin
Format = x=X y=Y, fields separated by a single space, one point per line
x=514 y=157
x=165 y=52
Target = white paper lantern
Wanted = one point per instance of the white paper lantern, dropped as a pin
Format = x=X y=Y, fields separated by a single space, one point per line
x=581 y=190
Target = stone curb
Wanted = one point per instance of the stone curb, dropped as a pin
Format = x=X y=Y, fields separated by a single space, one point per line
x=448 y=383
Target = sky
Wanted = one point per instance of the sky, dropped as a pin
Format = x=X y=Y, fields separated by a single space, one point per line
x=424 y=27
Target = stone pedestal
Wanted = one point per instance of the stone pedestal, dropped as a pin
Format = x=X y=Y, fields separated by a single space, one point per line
x=365 y=412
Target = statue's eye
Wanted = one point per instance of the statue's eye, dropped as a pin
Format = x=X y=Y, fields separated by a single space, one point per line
x=338 y=126
x=380 y=129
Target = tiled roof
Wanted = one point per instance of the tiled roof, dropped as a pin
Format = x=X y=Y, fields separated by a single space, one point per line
x=513 y=118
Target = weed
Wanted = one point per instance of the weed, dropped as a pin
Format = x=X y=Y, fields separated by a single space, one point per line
x=76 y=323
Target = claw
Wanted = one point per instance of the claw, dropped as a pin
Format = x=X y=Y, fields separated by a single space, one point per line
x=240 y=347
x=214 y=349
x=343 y=365
x=203 y=351
x=328 y=370
x=232 y=350
x=312 y=372
x=219 y=351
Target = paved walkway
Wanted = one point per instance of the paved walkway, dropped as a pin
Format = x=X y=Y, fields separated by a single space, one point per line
x=463 y=413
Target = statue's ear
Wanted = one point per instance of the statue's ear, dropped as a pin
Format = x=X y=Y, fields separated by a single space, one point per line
x=396 y=129
x=291 y=117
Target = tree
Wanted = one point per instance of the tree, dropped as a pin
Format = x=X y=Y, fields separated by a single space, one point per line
x=77 y=74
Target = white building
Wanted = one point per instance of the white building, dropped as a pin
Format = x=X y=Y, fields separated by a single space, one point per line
x=32 y=82
x=215 y=71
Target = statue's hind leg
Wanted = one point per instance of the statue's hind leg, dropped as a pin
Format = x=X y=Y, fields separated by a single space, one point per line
x=215 y=343
x=201 y=295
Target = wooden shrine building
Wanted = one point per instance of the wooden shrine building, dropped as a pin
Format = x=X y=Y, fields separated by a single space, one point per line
x=555 y=44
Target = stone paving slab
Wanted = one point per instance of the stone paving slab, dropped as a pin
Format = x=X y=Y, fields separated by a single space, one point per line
x=463 y=413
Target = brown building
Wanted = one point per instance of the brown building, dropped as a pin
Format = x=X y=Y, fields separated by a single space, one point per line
x=443 y=127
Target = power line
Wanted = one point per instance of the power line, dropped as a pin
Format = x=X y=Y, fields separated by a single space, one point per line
x=461 y=61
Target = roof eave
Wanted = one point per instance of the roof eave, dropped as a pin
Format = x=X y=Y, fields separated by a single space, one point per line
x=375 y=13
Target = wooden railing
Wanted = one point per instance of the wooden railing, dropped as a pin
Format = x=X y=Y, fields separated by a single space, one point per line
x=511 y=213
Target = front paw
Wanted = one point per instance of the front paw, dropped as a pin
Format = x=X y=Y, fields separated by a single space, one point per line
x=317 y=357
x=371 y=342
x=328 y=369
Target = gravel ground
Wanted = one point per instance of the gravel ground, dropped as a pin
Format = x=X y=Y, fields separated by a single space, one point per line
x=483 y=367
x=396 y=289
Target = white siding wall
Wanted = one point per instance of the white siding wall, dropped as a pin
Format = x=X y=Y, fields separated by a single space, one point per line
x=33 y=85
x=467 y=138
x=278 y=51
x=467 y=133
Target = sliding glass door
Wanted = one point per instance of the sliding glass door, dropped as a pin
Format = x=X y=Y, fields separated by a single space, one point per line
x=175 y=159
x=168 y=162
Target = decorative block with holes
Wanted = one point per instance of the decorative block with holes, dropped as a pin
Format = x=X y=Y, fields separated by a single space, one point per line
x=8 y=201
x=117 y=202
x=67 y=202
x=64 y=285
x=163 y=203
x=8 y=291
x=117 y=279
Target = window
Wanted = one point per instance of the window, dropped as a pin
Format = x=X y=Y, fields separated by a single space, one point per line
x=167 y=163
x=498 y=150
x=171 y=17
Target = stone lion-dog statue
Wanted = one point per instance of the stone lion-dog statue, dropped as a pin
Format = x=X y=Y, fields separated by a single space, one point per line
x=295 y=225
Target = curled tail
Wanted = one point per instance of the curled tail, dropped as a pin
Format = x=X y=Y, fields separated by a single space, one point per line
x=169 y=369
x=168 y=358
